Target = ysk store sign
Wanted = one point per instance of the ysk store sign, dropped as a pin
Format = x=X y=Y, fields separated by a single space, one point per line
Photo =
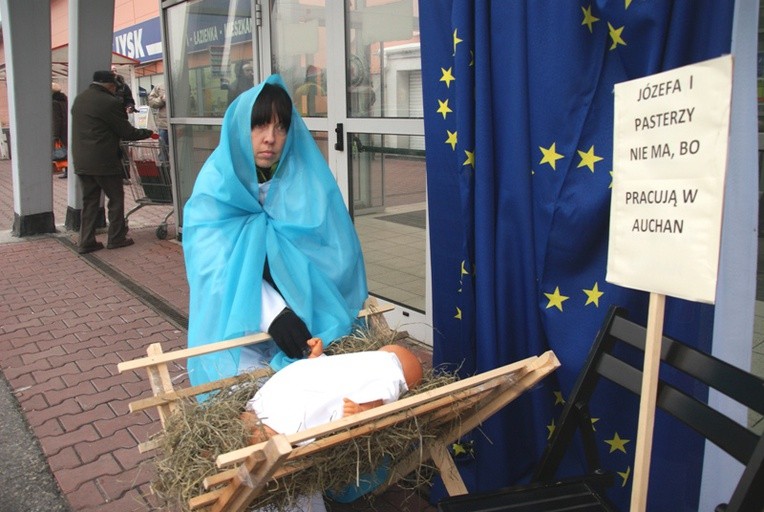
x=142 y=42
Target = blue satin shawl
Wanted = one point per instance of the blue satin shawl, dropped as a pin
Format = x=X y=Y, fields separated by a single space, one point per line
x=303 y=228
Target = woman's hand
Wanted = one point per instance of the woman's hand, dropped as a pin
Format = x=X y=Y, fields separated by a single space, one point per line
x=290 y=334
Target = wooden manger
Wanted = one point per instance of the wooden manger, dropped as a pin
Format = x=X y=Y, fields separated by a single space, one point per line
x=448 y=412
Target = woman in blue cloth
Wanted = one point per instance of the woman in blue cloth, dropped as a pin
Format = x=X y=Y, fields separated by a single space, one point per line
x=268 y=242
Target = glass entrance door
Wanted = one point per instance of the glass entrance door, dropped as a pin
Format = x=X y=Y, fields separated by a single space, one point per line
x=354 y=72
x=209 y=59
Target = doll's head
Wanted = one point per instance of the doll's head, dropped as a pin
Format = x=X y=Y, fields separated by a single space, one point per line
x=412 y=367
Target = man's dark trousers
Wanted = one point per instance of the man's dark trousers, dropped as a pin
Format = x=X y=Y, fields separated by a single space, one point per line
x=112 y=186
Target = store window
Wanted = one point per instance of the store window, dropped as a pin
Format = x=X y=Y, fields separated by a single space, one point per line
x=383 y=60
x=209 y=62
x=209 y=53
x=299 y=53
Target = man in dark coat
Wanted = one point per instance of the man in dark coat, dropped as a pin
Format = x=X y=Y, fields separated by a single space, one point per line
x=124 y=93
x=98 y=124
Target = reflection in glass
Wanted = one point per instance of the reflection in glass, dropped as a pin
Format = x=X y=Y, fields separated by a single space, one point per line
x=388 y=180
x=192 y=144
x=209 y=49
x=299 y=52
x=322 y=141
x=384 y=72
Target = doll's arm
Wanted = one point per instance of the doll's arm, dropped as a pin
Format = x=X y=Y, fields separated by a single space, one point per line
x=316 y=347
x=350 y=407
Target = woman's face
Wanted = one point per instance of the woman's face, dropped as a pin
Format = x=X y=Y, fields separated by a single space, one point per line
x=268 y=142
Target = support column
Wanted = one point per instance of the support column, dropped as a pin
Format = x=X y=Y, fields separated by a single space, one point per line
x=736 y=283
x=28 y=65
x=91 y=30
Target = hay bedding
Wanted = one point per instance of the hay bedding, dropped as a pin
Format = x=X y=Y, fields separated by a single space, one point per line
x=199 y=432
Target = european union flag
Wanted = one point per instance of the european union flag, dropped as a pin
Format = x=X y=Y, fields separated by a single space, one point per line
x=519 y=129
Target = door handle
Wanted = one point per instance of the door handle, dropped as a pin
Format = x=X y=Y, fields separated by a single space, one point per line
x=340 y=131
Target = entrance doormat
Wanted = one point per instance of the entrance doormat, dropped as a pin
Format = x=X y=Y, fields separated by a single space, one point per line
x=415 y=219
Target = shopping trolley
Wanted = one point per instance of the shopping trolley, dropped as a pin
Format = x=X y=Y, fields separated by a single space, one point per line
x=148 y=165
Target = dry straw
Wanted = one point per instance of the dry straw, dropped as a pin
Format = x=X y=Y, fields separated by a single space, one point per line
x=199 y=432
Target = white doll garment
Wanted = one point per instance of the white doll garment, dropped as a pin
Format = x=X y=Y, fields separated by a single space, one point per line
x=309 y=392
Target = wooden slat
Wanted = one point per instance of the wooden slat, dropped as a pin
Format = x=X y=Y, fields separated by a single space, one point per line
x=499 y=397
x=545 y=364
x=160 y=381
x=176 y=355
x=151 y=444
x=162 y=398
x=452 y=480
x=205 y=500
x=254 y=476
x=210 y=348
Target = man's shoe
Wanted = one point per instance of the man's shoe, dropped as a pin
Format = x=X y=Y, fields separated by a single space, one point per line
x=122 y=243
x=64 y=176
x=90 y=248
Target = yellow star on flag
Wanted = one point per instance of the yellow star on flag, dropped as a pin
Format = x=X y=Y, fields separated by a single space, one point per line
x=558 y=399
x=594 y=420
x=447 y=76
x=551 y=428
x=593 y=295
x=615 y=35
x=451 y=139
x=556 y=299
x=443 y=108
x=617 y=443
x=628 y=3
x=550 y=155
x=458 y=314
x=458 y=448
x=456 y=41
x=589 y=19
x=464 y=270
x=470 y=158
x=588 y=158
x=611 y=180
x=625 y=475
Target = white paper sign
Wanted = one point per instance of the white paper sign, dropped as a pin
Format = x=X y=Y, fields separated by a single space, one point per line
x=670 y=145
x=141 y=117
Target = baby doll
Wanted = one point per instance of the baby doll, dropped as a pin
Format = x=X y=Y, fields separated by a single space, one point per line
x=322 y=388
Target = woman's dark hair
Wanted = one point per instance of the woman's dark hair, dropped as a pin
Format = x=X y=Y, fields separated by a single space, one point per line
x=272 y=100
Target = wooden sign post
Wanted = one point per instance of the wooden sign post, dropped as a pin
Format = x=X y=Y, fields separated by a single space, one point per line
x=647 y=401
x=670 y=142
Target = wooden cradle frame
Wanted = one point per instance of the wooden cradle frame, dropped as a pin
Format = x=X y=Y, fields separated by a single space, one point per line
x=458 y=407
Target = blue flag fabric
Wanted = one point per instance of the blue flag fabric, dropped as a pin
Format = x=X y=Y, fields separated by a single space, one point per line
x=519 y=129
x=303 y=227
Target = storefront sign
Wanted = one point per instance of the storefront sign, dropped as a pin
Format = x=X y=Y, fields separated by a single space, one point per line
x=142 y=42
